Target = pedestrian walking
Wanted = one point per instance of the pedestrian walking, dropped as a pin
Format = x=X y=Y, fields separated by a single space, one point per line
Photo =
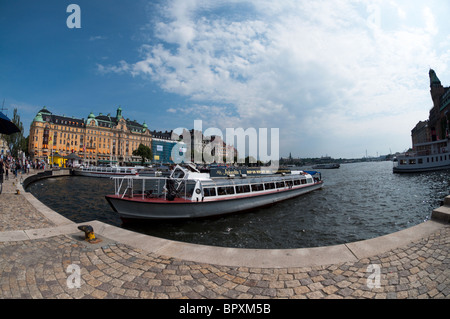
x=6 y=170
x=1 y=174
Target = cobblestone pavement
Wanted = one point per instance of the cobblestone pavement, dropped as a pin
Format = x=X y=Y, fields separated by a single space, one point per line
x=16 y=213
x=47 y=268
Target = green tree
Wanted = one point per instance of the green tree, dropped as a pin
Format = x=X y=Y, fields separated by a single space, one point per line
x=24 y=145
x=15 y=141
x=144 y=152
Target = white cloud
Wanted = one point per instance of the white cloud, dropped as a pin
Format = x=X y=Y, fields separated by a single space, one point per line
x=430 y=22
x=97 y=37
x=123 y=67
x=326 y=67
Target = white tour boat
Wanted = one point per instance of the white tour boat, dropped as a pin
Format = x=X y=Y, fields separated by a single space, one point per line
x=431 y=156
x=188 y=193
x=103 y=171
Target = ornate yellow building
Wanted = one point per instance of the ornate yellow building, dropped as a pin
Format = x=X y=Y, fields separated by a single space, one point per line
x=97 y=139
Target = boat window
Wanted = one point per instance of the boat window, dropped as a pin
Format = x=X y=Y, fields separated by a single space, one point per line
x=269 y=185
x=230 y=190
x=190 y=189
x=412 y=161
x=309 y=180
x=257 y=187
x=297 y=182
x=242 y=189
x=178 y=173
x=280 y=184
x=303 y=181
x=420 y=161
x=225 y=190
x=209 y=191
x=288 y=183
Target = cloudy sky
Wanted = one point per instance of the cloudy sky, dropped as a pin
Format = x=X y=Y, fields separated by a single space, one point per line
x=336 y=77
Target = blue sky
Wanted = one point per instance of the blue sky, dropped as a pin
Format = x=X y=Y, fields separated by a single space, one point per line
x=336 y=77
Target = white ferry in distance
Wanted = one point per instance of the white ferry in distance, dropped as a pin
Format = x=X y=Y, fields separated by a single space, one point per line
x=188 y=193
x=104 y=171
x=431 y=156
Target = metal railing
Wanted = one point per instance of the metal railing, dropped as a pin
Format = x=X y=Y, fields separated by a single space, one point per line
x=150 y=187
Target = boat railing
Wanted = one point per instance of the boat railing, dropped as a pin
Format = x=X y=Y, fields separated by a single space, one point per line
x=151 y=187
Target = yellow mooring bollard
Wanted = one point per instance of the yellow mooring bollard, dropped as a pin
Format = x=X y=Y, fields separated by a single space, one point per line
x=89 y=234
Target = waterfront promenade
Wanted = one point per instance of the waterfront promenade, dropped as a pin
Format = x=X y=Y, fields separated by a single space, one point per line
x=38 y=249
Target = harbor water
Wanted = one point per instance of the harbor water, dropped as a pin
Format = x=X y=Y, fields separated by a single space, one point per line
x=358 y=201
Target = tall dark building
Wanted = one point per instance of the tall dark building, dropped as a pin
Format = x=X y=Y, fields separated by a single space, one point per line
x=439 y=114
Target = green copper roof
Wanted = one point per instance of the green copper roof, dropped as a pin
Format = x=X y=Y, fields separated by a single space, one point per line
x=38 y=118
x=119 y=113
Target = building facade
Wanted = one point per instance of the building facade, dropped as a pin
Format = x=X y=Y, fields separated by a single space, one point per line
x=420 y=133
x=437 y=127
x=97 y=140
x=162 y=146
x=439 y=114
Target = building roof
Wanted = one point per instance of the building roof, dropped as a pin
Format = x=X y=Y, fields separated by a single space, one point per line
x=162 y=135
x=110 y=121
x=45 y=115
x=433 y=78
x=44 y=111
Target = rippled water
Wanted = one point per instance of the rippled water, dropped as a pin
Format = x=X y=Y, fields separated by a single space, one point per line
x=359 y=201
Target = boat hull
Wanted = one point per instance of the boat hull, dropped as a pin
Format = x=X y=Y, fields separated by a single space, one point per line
x=137 y=208
x=420 y=169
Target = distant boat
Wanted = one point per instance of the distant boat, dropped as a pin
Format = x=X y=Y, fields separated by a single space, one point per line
x=430 y=156
x=108 y=172
x=188 y=193
x=327 y=166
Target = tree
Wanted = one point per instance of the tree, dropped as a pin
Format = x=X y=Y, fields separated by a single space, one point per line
x=15 y=141
x=24 y=145
x=144 y=152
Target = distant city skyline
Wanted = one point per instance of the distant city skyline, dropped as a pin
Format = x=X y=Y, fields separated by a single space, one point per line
x=338 y=78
